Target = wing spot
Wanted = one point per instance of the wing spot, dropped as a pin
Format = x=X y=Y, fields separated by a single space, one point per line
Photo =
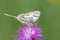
x=35 y=16
x=36 y=13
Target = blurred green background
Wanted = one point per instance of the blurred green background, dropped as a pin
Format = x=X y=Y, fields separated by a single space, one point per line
x=49 y=20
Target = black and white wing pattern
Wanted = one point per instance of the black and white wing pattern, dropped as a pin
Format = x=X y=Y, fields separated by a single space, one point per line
x=29 y=16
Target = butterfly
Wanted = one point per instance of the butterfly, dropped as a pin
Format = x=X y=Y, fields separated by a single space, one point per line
x=26 y=17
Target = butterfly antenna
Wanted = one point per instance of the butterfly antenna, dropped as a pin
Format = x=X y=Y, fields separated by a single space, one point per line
x=10 y=15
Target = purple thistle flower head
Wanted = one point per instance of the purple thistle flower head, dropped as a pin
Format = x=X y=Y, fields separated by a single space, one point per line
x=28 y=32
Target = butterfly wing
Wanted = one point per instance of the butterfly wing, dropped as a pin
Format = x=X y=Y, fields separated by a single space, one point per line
x=29 y=17
x=34 y=15
x=21 y=18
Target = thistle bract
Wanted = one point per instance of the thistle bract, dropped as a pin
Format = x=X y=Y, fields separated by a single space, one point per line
x=28 y=32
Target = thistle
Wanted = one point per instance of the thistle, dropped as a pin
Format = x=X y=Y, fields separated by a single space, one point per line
x=26 y=32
